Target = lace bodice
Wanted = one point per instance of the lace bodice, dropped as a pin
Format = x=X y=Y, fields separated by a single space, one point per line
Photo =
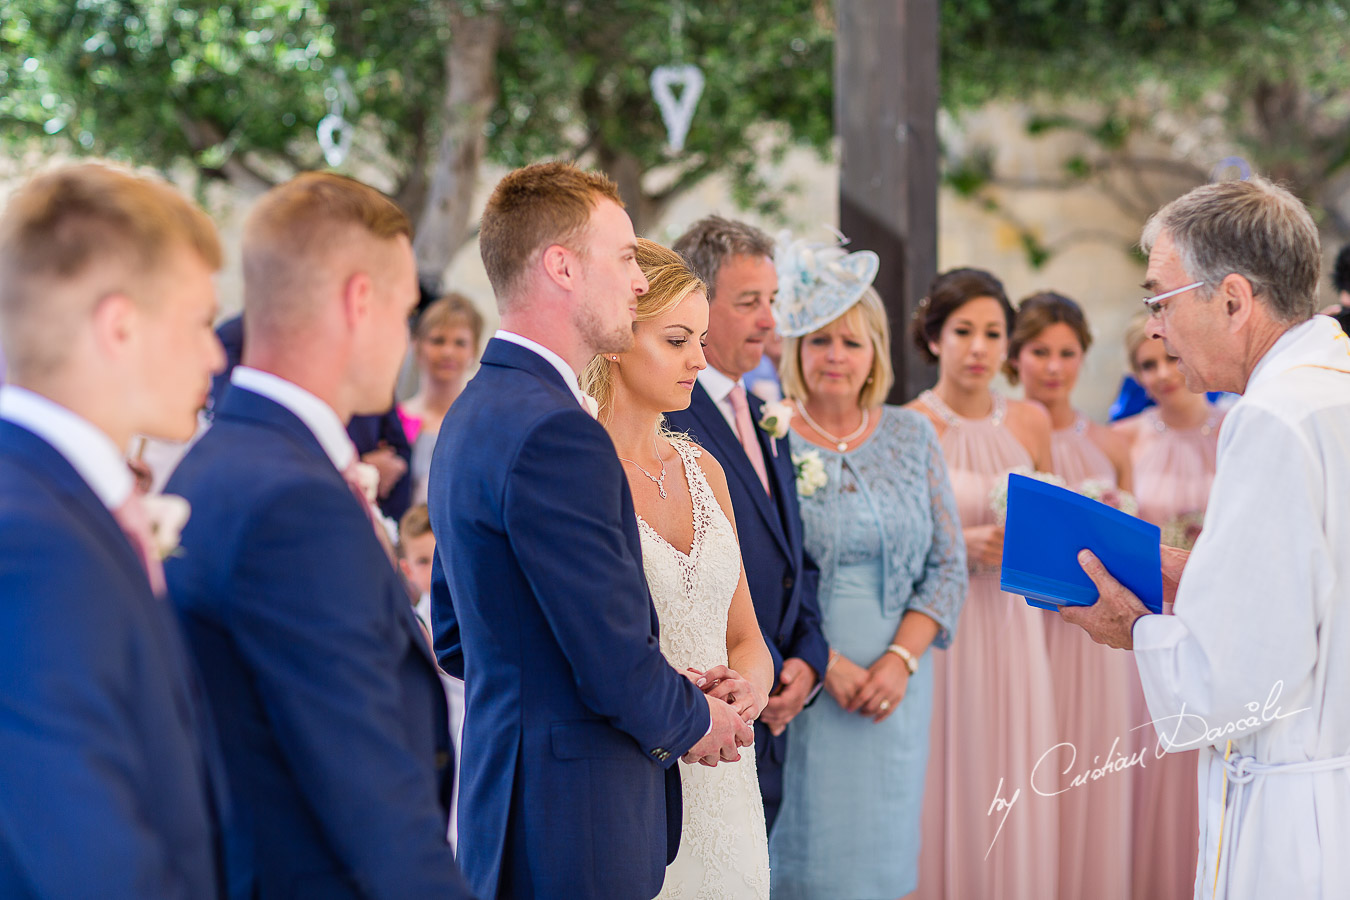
x=693 y=592
x=889 y=498
x=724 y=850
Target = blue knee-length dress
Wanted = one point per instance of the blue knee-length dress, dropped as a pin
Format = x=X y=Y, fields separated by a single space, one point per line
x=885 y=532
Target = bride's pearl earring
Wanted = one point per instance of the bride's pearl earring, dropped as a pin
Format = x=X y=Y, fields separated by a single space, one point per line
x=615 y=358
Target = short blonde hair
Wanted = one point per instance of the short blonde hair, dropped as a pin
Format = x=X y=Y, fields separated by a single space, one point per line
x=531 y=209
x=415 y=523
x=868 y=316
x=64 y=225
x=447 y=312
x=670 y=279
x=292 y=234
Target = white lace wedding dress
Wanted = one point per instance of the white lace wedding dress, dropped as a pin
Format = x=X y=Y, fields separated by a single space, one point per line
x=723 y=847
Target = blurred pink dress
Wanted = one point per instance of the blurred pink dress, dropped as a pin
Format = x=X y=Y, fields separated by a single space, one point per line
x=993 y=714
x=1093 y=687
x=1173 y=471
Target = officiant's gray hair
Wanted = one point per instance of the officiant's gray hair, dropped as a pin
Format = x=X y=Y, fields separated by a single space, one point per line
x=1253 y=228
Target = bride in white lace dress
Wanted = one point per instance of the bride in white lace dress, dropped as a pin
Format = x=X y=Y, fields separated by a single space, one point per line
x=693 y=566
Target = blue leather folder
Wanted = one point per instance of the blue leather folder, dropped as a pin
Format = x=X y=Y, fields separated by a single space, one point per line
x=1048 y=525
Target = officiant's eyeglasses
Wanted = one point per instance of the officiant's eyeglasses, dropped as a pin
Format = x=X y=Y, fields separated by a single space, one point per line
x=1155 y=303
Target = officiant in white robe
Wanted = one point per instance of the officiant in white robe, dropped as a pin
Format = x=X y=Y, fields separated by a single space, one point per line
x=1254 y=664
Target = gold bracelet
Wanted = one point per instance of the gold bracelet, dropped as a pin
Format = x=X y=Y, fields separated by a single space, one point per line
x=834 y=658
x=911 y=662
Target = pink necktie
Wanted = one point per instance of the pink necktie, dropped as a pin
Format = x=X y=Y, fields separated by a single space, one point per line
x=745 y=430
x=135 y=523
x=352 y=477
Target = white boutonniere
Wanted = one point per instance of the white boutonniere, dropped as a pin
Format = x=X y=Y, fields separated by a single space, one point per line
x=810 y=469
x=777 y=416
x=368 y=478
x=168 y=513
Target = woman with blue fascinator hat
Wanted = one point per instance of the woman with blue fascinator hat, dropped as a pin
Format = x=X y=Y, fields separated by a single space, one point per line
x=880 y=520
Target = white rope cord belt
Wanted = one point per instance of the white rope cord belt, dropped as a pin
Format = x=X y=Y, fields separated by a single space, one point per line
x=1241 y=771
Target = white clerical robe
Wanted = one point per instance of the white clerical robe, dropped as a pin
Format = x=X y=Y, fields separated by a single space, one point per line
x=1258 y=650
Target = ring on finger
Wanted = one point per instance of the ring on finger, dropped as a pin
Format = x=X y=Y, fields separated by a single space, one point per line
x=884 y=705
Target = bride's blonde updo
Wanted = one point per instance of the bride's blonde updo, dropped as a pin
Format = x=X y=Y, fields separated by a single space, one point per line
x=669 y=280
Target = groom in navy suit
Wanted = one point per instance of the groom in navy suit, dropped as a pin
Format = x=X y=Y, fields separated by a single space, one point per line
x=331 y=712
x=574 y=719
x=110 y=781
x=736 y=261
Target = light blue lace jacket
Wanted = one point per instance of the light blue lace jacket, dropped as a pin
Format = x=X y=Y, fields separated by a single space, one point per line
x=901 y=474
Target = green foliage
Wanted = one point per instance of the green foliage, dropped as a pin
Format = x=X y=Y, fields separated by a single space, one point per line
x=574 y=78
x=159 y=81
x=1107 y=48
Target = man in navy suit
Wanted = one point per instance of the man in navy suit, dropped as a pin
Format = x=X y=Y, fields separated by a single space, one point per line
x=109 y=776
x=574 y=719
x=736 y=261
x=324 y=688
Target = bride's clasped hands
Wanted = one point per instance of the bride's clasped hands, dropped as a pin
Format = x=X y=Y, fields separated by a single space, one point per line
x=734 y=689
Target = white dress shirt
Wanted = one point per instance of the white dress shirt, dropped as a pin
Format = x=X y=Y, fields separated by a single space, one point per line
x=89 y=451
x=320 y=418
x=569 y=377
x=719 y=388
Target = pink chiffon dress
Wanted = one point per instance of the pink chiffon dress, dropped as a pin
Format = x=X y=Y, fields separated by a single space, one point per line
x=1092 y=687
x=993 y=712
x=1173 y=471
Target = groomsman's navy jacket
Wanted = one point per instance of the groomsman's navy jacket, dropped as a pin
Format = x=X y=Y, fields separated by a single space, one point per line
x=107 y=767
x=330 y=710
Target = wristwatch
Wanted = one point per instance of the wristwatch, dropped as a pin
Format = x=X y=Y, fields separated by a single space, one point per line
x=910 y=660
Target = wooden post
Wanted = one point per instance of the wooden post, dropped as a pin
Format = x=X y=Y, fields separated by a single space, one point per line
x=885 y=109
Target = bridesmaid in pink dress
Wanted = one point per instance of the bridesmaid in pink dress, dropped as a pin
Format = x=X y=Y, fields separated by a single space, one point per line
x=993 y=715
x=1092 y=684
x=1172 y=446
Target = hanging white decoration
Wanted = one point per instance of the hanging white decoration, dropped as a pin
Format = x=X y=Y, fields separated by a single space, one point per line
x=677 y=112
x=334 y=131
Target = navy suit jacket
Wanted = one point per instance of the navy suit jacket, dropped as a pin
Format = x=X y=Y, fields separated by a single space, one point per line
x=107 y=763
x=330 y=709
x=781 y=577
x=575 y=718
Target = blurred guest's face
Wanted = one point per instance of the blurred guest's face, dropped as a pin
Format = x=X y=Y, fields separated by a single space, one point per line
x=393 y=273
x=416 y=560
x=1048 y=364
x=837 y=359
x=177 y=350
x=660 y=371
x=1158 y=373
x=610 y=280
x=972 y=344
x=445 y=354
x=741 y=313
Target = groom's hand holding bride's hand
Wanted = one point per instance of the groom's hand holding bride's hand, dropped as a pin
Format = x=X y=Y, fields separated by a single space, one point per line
x=723 y=742
x=729 y=685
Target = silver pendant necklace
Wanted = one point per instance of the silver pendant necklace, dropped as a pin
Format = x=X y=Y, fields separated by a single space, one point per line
x=659 y=482
x=840 y=442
